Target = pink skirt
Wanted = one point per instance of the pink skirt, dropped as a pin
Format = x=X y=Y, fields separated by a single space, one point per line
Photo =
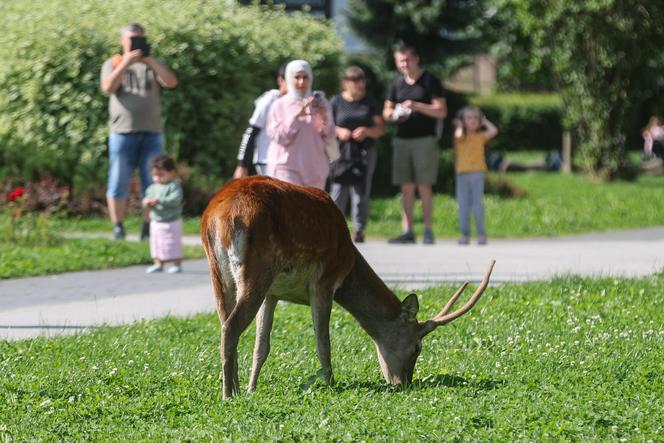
x=166 y=240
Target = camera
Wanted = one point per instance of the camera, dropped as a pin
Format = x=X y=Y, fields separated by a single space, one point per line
x=142 y=44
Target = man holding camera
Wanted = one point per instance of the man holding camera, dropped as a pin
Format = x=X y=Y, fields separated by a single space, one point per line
x=133 y=82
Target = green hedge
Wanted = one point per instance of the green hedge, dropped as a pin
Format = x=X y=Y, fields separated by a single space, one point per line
x=53 y=117
x=525 y=121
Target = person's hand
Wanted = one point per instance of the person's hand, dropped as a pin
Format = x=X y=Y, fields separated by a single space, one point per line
x=150 y=201
x=410 y=104
x=344 y=134
x=304 y=110
x=132 y=57
x=322 y=114
x=360 y=133
x=240 y=172
x=149 y=60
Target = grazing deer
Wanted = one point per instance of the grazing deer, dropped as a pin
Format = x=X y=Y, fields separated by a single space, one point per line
x=267 y=240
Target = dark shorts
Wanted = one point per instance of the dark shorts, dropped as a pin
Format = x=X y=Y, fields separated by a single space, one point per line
x=415 y=160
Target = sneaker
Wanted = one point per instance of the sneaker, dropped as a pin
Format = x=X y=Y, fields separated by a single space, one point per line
x=464 y=240
x=154 y=268
x=119 y=232
x=481 y=240
x=175 y=269
x=145 y=231
x=358 y=237
x=428 y=238
x=405 y=238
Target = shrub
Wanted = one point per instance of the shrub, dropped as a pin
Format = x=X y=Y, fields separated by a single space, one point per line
x=53 y=118
x=525 y=121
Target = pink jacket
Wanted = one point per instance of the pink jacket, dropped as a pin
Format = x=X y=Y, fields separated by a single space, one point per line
x=298 y=145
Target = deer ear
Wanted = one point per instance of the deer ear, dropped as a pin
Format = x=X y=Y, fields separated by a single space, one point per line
x=409 y=308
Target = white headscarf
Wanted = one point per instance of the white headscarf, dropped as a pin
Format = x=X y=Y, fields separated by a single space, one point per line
x=293 y=68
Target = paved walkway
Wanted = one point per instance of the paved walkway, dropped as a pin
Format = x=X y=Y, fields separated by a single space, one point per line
x=76 y=301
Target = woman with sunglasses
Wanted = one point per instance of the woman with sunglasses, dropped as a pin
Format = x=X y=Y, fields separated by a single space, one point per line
x=358 y=122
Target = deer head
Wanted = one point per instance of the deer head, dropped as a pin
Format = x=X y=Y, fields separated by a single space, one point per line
x=399 y=343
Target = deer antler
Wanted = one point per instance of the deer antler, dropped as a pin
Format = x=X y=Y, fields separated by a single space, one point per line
x=443 y=317
x=452 y=300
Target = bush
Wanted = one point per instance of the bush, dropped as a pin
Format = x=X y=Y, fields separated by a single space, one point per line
x=53 y=118
x=525 y=121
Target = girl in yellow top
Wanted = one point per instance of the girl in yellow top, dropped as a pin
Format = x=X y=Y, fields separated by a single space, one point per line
x=471 y=134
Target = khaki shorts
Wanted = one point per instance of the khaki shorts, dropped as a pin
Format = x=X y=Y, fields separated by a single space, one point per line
x=415 y=160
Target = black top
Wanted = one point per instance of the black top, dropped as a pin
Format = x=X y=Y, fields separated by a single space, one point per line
x=351 y=115
x=424 y=90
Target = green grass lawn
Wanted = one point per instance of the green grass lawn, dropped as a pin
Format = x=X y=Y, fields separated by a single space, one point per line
x=557 y=204
x=572 y=359
x=68 y=255
x=190 y=226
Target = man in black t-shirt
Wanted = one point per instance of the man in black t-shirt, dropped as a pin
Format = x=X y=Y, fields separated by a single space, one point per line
x=414 y=102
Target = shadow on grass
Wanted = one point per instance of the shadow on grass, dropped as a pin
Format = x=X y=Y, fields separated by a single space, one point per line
x=434 y=381
x=455 y=381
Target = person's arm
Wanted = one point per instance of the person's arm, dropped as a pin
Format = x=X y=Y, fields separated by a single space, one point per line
x=324 y=120
x=281 y=128
x=245 y=154
x=490 y=130
x=343 y=134
x=165 y=76
x=458 y=128
x=378 y=128
x=111 y=82
x=375 y=131
x=173 y=199
x=388 y=109
x=436 y=109
x=648 y=142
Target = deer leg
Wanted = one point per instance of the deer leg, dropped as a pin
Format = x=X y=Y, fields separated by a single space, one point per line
x=321 y=307
x=262 y=347
x=236 y=323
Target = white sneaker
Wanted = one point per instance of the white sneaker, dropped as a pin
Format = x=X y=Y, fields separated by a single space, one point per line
x=154 y=268
x=175 y=269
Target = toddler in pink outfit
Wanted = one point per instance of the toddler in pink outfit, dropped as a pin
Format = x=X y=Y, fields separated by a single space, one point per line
x=299 y=124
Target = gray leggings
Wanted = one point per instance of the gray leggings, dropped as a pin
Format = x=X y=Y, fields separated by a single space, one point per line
x=469 y=195
x=359 y=194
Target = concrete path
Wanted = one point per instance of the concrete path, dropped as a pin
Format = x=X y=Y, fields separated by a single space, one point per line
x=77 y=301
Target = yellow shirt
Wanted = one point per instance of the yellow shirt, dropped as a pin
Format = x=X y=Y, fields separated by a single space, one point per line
x=469 y=153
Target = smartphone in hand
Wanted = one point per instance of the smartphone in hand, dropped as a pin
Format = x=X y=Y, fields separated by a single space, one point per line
x=317 y=101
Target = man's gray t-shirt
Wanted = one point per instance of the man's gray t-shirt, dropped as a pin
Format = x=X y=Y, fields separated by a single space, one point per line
x=135 y=106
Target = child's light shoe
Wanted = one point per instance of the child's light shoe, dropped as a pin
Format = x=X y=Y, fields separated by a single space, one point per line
x=175 y=269
x=154 y=268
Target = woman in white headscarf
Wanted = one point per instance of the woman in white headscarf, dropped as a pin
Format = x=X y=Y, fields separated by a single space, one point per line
x=299 y=124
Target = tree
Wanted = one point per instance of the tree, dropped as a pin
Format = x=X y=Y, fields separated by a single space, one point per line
x=605 y=56
x=517 y=66
x=440 y=29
